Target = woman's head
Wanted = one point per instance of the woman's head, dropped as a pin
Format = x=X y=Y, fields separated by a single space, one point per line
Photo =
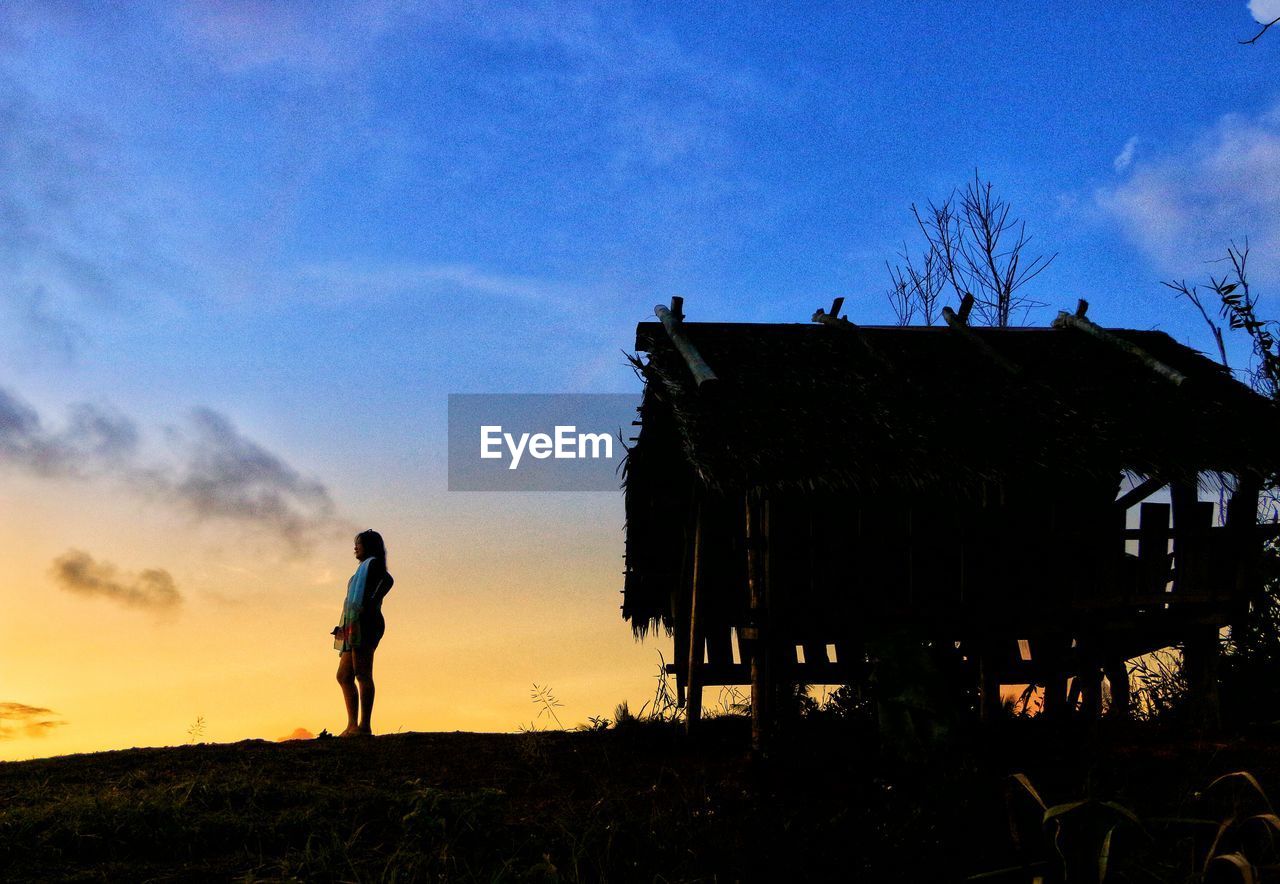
x=369 y=543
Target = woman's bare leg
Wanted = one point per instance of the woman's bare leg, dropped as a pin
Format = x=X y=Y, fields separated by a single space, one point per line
x=347 y=681
x=364 y=677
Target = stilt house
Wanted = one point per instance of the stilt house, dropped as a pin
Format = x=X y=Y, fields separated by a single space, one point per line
x=795 y=489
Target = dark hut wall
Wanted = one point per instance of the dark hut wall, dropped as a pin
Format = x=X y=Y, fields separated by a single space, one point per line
x=913 y=480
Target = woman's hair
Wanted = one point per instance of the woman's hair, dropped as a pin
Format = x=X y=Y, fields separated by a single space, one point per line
x=373 y=545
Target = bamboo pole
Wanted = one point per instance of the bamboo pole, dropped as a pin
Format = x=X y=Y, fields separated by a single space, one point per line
x=957 y=325
x=673 y=322
x=1080 y=323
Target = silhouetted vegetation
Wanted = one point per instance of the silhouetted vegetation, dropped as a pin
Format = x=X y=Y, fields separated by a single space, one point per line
x=644 y=802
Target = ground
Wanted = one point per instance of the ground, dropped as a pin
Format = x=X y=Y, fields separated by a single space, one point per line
x=642 y=803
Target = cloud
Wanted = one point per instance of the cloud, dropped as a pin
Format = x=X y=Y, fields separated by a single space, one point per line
x=228 y=476
x=1184 y=208
x=77 y=571
x=243 y=35
x=31 y=721
x=95 y=439
x=300 y=733
x=1264 y=10
x=216 y=472
x=338 y=281
x=1125 y=158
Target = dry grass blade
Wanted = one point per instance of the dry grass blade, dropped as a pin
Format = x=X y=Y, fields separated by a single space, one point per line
x=1059 y=810
x=1217 y=839
x=1240 y=864
x=1269 y=818
x=1248 y=778
x=1124 y=812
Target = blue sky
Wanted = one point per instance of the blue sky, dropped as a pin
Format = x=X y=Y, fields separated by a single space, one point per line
x=316 y=220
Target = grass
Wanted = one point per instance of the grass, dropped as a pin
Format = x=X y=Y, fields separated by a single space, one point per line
x=634 y=802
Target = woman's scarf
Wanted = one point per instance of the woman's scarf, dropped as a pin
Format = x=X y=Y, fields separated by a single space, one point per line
x=347 y=635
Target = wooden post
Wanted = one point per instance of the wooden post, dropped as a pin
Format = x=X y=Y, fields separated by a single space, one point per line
x=1200 y=664
x=693 y=711
x=1052 y=650
x=1089 y=679
x=763 y=677
x=989 y=701
x=1116 y=669
x=1246 y=546
x=681 y=607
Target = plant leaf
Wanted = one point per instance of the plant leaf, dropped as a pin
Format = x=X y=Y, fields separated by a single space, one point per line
x=1021 y=779
x=1241 y=864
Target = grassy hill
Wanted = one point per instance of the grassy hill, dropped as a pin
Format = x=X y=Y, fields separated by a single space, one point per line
x=637 y=803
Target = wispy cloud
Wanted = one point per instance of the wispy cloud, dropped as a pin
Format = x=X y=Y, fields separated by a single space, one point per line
x=94 y=440
x=1124 y=159
x=318 y=37
x=19 y=719
x=1183 y=208
x=340 y=281
x=216 y=473
x=78 y=572
x=226 y=475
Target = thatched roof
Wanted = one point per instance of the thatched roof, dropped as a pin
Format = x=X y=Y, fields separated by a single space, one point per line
x=811 y=406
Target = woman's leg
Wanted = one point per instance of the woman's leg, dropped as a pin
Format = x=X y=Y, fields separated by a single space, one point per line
x=347 y=680
x=364 y=677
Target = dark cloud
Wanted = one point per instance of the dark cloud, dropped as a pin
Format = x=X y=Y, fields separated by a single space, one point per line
x=228 y=476
x=77 y=571
x=216 y=474
x=95 y=439
x=19 y=719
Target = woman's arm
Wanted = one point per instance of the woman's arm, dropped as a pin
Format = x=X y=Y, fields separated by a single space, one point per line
x=373 y=589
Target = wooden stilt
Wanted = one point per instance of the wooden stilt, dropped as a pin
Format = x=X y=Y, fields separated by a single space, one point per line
x=693 y=712
x=1242 y=520
x=989 y=701
x=1055 y=680
x=1200 y=665
x=1116 y=669
x=763 y=677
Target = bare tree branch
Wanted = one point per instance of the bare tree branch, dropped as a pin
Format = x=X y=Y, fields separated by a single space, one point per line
x=1254 y=38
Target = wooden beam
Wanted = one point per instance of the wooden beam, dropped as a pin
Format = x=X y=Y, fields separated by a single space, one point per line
x=1080 y=323
x=957 y=325
x=673 y=322
x=966 y=306
x=1140 y=492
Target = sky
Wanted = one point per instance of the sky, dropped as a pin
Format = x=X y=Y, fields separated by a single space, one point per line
x=249 y=248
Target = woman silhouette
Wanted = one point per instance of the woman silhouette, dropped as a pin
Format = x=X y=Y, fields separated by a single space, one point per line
x=357 y=636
